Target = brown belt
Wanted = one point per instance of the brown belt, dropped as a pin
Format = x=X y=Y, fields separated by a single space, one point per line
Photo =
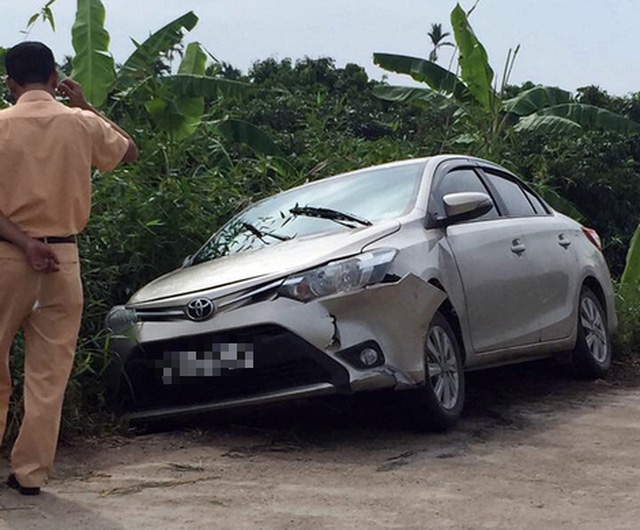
x=51 y=240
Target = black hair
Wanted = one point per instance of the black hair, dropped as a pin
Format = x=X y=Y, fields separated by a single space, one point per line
x=30 y=62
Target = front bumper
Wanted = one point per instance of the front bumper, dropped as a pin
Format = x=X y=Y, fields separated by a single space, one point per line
x=298 y=350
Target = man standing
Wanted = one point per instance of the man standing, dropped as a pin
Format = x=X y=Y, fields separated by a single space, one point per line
x=46 y=153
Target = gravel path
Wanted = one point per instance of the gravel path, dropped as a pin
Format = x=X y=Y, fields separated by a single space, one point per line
x=535 y=450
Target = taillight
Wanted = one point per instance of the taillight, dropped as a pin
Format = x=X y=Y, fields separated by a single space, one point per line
x=593 y=236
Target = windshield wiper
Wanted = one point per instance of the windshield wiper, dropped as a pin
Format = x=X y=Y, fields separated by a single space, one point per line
x=261 y=235
x=328 y=213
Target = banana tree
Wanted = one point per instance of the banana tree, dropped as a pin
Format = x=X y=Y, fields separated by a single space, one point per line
x=478 y=104
x=178 y=103
x=482 y=117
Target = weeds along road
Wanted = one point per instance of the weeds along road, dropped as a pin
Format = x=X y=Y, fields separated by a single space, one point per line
x=535 y=449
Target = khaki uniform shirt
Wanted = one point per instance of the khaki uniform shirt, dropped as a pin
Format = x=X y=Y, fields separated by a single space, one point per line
x=46 y=153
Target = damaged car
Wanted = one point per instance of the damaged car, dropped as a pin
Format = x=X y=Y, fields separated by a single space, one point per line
x=402 y=276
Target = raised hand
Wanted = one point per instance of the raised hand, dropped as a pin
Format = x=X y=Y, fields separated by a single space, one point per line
x=73 y=90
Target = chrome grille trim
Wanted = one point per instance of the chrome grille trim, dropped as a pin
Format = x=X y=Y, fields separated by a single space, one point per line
x=250 y=294
x=179 y=313
x=160 y=314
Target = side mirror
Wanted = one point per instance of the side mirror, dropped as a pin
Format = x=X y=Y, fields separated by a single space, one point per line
x=465 y=207
x=187 y=261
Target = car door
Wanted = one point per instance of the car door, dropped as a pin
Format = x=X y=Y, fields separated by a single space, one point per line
x=493 y=265
x=550 y=247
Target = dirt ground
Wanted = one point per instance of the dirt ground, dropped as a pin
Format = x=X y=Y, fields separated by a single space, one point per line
x=535 y=449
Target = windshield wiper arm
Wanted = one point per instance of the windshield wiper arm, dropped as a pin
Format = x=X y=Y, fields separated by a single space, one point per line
x=261 y=235
x=328 y=213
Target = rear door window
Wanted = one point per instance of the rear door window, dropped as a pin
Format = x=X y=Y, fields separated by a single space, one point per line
x=536 y=203
x=511 y=195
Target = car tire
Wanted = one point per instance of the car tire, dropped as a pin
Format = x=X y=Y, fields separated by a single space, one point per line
x=592 y=354
x=438 y=404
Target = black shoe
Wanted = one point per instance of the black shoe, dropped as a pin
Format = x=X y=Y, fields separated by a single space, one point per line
x=13 y=483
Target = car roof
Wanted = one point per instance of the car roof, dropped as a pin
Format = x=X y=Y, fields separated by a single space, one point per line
x=436 y=160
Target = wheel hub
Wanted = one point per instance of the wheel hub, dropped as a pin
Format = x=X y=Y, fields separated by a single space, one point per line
x=595 y=333
x=443 y=367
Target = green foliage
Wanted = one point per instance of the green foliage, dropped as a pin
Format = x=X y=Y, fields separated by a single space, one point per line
x=584 y=117
x=485 y=119
x=93 y=65
x=142 y=62
x=549 y=124
x=240 y=131
x=535 y=99
x=193 y=86
x=631 y=275
x=627 y=338
x=46 y=14
x=424 y=71
x=410 y=95
x=558 y=202
x=473 y=60
x=180 y=116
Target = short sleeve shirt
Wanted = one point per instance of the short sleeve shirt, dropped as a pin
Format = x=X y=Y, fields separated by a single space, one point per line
x=47 y=151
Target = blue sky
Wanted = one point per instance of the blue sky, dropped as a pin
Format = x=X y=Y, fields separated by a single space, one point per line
x=567 y=43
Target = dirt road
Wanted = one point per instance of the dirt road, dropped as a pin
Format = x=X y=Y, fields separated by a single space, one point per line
x=535 y=449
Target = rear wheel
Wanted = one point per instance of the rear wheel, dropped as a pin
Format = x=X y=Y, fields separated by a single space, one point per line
x=438 y=404
x=592 y=354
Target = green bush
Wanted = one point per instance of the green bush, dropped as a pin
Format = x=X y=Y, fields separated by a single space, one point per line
x=147 y=217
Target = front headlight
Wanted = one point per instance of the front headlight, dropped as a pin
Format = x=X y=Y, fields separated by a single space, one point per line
x=120 y=319
x=339 y=276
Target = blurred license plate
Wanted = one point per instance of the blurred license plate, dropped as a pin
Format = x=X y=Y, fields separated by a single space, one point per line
x=215 y=362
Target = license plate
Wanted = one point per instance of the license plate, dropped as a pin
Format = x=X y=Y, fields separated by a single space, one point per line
x=217 y=361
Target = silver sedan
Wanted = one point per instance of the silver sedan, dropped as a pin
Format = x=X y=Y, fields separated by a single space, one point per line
x=402 y=276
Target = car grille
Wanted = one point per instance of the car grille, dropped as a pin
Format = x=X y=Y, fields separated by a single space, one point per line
x=223 y=304
x=280 y=360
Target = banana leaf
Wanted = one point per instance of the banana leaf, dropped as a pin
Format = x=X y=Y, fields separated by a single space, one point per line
x=536 y=99
x=93 y=65
x=548 y=125
x=177 y=115
x=590 y=117
x=411 y=95
x=474 y=62
x=142 y=61
x=425 y=71
x=187 y=85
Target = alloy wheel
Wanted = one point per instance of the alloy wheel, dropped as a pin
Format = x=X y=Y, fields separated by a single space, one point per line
x=595 y=332
x=443 y=367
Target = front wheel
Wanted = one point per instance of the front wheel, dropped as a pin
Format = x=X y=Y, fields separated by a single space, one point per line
x=438 y=404
x=592 y=354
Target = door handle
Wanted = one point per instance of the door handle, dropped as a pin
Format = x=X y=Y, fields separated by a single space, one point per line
x=563 y=241
x=517 y=247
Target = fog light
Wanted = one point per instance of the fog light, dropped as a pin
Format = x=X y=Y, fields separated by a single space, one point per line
x=369 y=357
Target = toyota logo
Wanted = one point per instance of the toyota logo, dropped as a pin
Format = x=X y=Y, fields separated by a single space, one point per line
x=200 y=309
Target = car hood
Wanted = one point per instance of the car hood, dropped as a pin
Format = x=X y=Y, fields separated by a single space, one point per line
x=265 y=264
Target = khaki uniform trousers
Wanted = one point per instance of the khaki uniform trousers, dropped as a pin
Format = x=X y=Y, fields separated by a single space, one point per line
x=49 y=309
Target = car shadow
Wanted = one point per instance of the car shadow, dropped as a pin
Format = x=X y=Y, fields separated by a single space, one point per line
x=515 y=399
